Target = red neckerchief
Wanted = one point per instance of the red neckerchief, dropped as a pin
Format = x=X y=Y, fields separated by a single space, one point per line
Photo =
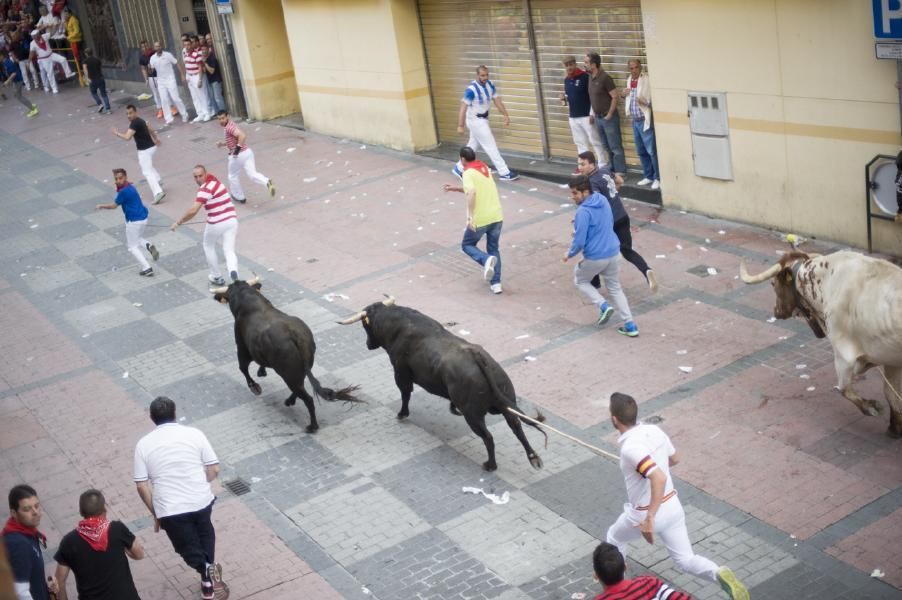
x=95 y=531
x=42 y=43
x=479 y=166
x=13 y=526
x=577 y=73
x=119 y=188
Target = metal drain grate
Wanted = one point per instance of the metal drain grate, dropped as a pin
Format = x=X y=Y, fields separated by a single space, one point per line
x=238 y=486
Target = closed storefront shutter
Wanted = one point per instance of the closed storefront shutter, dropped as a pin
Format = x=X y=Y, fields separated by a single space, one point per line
x=460 y=35
x=613 y=28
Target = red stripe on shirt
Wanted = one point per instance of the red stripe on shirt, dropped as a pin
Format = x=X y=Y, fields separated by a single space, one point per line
x=216 y=201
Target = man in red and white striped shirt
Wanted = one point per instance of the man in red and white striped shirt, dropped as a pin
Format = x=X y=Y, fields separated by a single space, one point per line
x=610 y=570
x=240 y=157
x=192 y=54
x=222 y=222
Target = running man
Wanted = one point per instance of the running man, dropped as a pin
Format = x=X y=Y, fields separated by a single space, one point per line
x=240 y=156
x=129 y=200
x=222 y=222
x=646 y=455
x=474 y=107
x=146 y=140
x=13 y=77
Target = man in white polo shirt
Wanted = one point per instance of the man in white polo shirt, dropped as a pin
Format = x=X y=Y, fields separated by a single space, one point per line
x=163 y=63
x=174 y=466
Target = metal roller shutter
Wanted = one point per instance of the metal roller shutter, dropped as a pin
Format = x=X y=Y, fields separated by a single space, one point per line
x=613 y=28
x=460 y=35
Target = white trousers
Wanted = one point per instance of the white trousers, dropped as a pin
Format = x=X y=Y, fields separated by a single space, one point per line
x=670 y=528
x=244 y=160
x=169 y=96
x=585 y=135
x=199 y=96
x=47 y=76
x=29 y=74
x=228 y=231
x=152 y=84
x=145 y=159
x=135 y=242
x=481 y=137
x=62 y=62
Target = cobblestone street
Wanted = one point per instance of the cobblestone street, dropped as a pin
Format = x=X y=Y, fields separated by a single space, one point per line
x=782 y=479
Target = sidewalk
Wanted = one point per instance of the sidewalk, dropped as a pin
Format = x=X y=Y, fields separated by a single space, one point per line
x=782 y=479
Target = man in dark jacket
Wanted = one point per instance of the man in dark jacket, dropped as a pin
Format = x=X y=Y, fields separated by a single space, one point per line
x=24 y=543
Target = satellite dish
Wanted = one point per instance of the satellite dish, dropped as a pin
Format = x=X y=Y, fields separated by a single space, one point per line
x=883 y=188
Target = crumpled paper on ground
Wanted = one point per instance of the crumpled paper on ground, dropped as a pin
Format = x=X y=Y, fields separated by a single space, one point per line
x=503 y=499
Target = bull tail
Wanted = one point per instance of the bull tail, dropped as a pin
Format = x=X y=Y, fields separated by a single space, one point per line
x=508 y=403
x=345 y=394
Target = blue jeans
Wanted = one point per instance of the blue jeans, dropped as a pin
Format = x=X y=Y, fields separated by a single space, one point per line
x=492 y=233
x=609 y=131
x=648 y=152
x=217 y=102
x=98 y=91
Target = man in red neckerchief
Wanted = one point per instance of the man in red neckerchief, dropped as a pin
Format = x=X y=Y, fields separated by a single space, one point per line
x=97 y=551
x=24 y=544
x=575 y=96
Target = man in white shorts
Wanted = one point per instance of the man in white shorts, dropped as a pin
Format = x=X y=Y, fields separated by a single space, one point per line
x=240 y=157
x=474 y=107
x=646 y=455
x=222 y=222
x=163 y=63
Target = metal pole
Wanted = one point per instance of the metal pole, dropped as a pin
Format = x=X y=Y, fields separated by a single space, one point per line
x=236 y=67
x=540 y=98
x=899 y=88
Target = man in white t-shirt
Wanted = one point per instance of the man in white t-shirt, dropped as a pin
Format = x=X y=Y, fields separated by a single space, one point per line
x=174 y=466
x=164 y=64
x=646 y=455
x=41 y=51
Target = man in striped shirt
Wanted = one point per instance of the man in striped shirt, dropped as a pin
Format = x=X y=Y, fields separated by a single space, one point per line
x=610 y=569
x=222 y=222
x=192 y=55
x=240 y=157
x=646 y=455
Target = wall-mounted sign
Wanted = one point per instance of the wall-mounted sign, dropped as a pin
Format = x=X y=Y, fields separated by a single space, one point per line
x=224 y=7
x=891 y=50
x=887 y=19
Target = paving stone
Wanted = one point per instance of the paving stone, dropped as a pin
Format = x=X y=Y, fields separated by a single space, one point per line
x=104 y=219
x=127 y=280
x=842 y=449
x=164 y=294
x=294 y=472
x=375 y=440
x=110 y=259
x=165 y=365
x=35 y=261
x=103 y=315
x=218 y=345
x=375 y=377
x=352 y=525
x=184 y=261
x=21 y=245
x=129 y=339
x=44 y=173
x=339 y=347
x=88 y=244
x=80 y=193
x=428 y=565
x=55 y=276
x=518 y=538
x=193 y=318
x=567 y=581
x=802 y=582
x=207 y=394
x=317 y=318
x=22 y=210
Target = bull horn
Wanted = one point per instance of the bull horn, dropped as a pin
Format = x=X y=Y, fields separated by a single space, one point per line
x=353 y=319
x=254 y=280
x=389 y=301
x=220 y=290
x=770 y=272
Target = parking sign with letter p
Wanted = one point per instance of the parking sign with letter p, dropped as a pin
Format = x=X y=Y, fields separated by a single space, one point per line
x=887 y=19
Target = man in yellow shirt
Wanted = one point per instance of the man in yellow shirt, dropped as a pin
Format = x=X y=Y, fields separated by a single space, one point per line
x=484 y=216
x=73 y=32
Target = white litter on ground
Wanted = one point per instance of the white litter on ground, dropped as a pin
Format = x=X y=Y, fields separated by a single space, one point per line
x=549 y=212
x=125 y=375
x=685 y=369
x=529 y=358
x=804 y=376
x=137 y=304
x=800 y=367
x=877 y=574
x=502 y=499
x=309 y=179
x=772 y=320
x=563 y=186
x=35 y=226
x=682 y=352
x=533 y=190
x=721 y=232
x=679 y=247
x=522 y=337
x=712 y=271
x=290 y=149
x=810 y=388
x=660 y=256
x=363 y=147
x=330 y=297
x=702 y=248
x=463 y=332
x=270 y=269
x=566 y=205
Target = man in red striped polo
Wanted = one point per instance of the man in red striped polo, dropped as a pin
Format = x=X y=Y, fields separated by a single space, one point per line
x=646 y=455
x=192 y=54
x=240 y=157
x=222 y=222
x=610 y=570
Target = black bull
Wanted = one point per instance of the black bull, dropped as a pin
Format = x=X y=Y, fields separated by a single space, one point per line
x=271 y=338
x=423 y=352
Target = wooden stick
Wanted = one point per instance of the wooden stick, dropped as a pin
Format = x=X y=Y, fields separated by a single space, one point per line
x=594 y=449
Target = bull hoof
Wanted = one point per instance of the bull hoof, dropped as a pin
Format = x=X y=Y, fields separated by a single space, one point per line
x=894 y=432
x=312 y=428
x=255 y=387
x=535 y=461
x=489 y=465
x=261 y=372
x=403 y=415
x=870 y=407
x=290 y=401
x=454 y=410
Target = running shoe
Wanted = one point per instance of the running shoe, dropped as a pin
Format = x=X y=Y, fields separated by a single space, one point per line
x=489 y=270
x=628 y=329
x=605 y=311
x=154 y=253
x=33 y=112
x=159 y=197
x=652 y=280
x=731 y=585
x=100 y=108
x=644 y=181
x=496 y=288
x=271 y=187
x=217 y=280
x=457 y=172
x=511 y=176
x=148 y=272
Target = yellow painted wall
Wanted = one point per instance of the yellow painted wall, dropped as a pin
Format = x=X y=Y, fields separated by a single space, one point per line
x=360 y=70
x=185 y=8
x=261 y=43
x=809 y=106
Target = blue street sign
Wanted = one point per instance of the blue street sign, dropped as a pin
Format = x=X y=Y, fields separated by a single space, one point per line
x=887 y=19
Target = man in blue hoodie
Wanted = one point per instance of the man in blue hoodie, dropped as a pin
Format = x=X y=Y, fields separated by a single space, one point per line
x=593 y=235
x=129 y=200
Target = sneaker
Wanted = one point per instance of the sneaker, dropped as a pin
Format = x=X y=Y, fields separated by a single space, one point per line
x=148 y=272
x=154 y=253
x=731 y=585
x=511 y=176
x=107 y=111
x=159 y=113
x=214 y=572
x=271 y=187
x=197 y=119
x=184 y=119
x=240 y=200
x=207 y=118
x=488 y=270
x=217 y=280
x=33 y=112
x=605 y=311
x=652 y=280
x=159 y=197
x=457 y=172
x=233 y=275
x=656 y=185
x=644 y=181
x=100 y=108
x=496 y=288
x=628 y=329
x=206 y=591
